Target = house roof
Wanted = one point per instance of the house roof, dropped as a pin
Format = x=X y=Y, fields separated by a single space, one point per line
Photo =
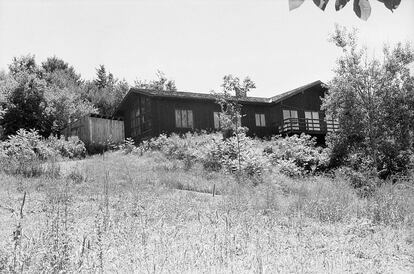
x=192 y=95
x=208 y=96
x=290 y=93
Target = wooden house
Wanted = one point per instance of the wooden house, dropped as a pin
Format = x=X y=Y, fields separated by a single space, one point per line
x=148 y=113
x=96 y=129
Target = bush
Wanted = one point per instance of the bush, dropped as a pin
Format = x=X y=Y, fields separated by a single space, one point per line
x=293 y=156
x=297 y=155
x=128 y=146
x=72 y=148
x=26 y=152
x=212 y=152
x=392 y=158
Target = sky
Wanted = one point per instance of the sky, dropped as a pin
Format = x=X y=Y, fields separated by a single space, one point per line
x=195 y=42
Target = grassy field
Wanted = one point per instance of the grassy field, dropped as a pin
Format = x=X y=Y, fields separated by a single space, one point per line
x=146 y=214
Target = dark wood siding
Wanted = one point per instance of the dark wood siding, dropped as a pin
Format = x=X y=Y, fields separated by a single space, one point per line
x=138 y=116
x=308 y=100
x=162 y=113
x=202 y=114
x=277 y=117
x=203 y=117
x=249 y=120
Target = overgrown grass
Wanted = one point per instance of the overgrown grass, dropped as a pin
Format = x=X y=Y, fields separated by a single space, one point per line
x=130 y=213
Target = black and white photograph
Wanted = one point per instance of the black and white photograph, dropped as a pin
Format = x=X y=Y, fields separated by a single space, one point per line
x=207 y=136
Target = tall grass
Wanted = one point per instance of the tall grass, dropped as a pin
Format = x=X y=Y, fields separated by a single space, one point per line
x=129 y=213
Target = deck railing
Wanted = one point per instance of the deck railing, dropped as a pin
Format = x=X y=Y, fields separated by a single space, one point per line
x=315 y=126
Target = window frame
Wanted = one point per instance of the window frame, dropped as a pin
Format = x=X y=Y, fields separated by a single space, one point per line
x=140 y=116
x=216 y=119
x=291 y=125
x=314 y=126
x=180 y=114
x=260 y=119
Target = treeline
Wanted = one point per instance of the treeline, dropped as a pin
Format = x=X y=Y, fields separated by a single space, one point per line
x=48 y=96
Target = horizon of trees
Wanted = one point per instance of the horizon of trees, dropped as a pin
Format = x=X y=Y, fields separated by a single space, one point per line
x=49 y=95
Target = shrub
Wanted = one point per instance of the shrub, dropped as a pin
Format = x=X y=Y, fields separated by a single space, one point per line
x=128 y=146
x=293 y=156
x=297 y=155
x=26 y=152
x=211 y=151
x=391 y=157
x=72 y=148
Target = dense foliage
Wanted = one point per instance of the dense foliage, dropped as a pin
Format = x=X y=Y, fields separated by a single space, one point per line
x=48 y=96
x=293 y=156
x=44 y=97
x=26 y=151
x=161 y=83
x=373 y=99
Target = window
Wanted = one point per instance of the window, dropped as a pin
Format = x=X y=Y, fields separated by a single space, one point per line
x=145 y=113
x=290 y=120
x=184 y=118
x=260 y=120
x=140 y=116
x=312 y=121
x=135 y=122
x=239 y=122
x=217 y=122
x=332 y=124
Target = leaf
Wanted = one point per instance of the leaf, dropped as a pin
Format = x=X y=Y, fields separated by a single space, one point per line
x=362 y=9
x=391 y=4
x=339 y=4
x=293 y=4
x=321 y=3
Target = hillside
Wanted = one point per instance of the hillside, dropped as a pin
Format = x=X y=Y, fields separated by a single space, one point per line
x=132 y=213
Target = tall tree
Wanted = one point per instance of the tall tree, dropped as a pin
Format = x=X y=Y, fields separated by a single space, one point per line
x=54 y=65
x=45 y=98
x=23 y=96
x=373 y=100
x=105 y=92
x=25 y=106
x=101 y=80
x=231 y=110
x=24 y=64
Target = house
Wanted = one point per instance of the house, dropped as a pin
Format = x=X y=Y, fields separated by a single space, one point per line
x=148 y=113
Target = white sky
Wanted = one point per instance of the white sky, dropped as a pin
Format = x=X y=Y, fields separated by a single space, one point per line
x=194 y=42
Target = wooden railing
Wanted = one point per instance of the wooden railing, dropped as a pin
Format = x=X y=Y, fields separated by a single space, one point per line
x=298 y=125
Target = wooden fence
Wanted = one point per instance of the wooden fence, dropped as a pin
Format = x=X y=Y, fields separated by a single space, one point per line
x=96 y=129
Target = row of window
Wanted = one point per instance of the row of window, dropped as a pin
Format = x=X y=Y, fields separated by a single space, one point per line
x=140 y=119
x=184 y=119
